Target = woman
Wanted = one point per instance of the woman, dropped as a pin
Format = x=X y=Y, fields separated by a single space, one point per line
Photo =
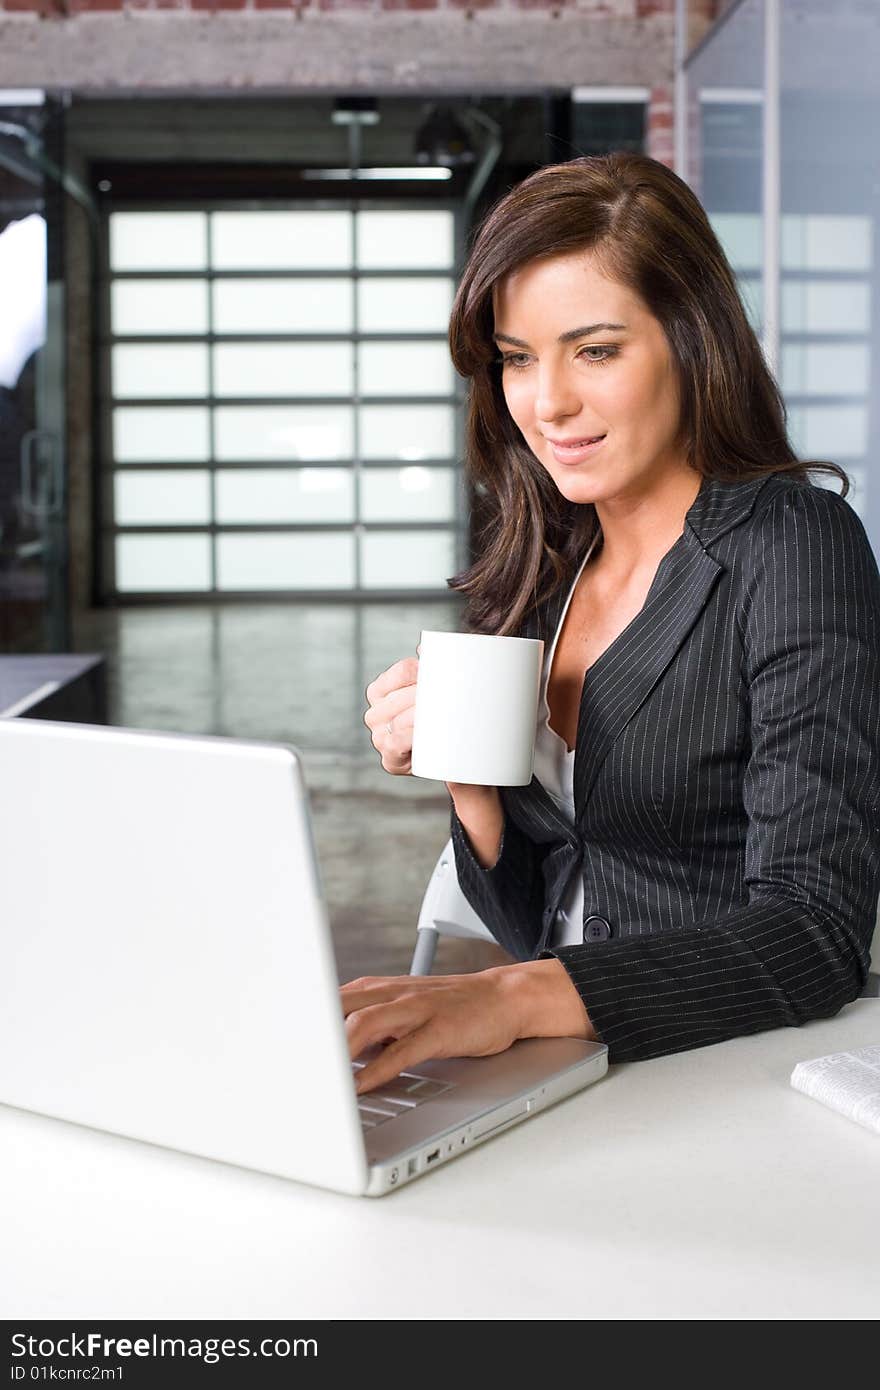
x=698 y=854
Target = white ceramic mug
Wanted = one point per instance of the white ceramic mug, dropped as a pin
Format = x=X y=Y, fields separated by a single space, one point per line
x=476 y=708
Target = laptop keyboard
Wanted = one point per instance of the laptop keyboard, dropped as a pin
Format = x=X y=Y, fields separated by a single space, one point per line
x=397 y=1096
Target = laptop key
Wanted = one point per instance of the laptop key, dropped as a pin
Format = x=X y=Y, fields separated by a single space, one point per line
x=425 y=1087
x=393 y=1103
x=400 y=1103
x=367 y=1106
x=410 y=1089
x=397 y=1097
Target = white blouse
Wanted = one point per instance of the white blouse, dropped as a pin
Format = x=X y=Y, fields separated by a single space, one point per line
x=554 y=769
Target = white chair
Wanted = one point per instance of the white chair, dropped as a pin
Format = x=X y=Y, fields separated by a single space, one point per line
x=445 y=911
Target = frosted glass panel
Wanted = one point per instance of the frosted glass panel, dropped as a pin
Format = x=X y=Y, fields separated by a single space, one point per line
x=281 y=240
x=284 y=432
x=825 y=242
x=395 y=560
x=159 y=306
x=251 y=496
x=322 y=561
x=166 y=563
x=166 y=369
x=158 y=241
x=825 y=369
x=412 y=306
x=319 y=305
x=284 y=369
x=827 y=102
x=159 y=434
x=740 y=234
x=405 y=240
x=408 y=494
x=835 y=432
x=405 y=369
x=162 y=499
x=407 y=432
x=826 y=306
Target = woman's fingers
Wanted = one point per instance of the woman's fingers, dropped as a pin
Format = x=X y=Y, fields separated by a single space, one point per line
x=377 y=1022
x=376 y=989
x=394 y=741
x=427 y=1016
x=403 y=672
x=390 y=707
x=390 y=716
x=400 y=1055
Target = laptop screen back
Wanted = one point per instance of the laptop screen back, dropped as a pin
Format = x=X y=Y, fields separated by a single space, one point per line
x=166 y=969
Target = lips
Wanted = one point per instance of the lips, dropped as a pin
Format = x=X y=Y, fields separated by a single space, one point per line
x=574 y=452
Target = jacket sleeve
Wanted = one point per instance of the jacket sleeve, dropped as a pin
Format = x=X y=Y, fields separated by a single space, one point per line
x=798 y=947
x=509 y=897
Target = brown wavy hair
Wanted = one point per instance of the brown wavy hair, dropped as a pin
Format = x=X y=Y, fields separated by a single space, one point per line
x=649 y=232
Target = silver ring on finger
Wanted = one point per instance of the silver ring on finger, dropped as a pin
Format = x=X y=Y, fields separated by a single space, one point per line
x=390 y=727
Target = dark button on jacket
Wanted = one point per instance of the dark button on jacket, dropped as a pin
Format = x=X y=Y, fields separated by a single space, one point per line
x=596 y=929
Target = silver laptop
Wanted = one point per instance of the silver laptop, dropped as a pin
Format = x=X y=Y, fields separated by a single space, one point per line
x=167 y=970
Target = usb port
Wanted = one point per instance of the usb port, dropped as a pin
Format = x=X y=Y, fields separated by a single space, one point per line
x=433 y=1156
x=412 y=1167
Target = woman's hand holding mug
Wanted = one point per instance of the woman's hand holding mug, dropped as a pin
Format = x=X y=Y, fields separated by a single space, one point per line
x=390 y=718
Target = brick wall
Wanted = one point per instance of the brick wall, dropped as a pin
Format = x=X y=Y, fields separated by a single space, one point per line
x=661 y=125
x=64 y=9
x=608 y=9
x=376 y=46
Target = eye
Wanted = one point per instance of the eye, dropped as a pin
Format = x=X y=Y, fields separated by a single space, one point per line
x=519 y=361
x=608 y=353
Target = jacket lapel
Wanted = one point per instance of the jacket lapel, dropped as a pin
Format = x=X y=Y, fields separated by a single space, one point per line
x=622 y=678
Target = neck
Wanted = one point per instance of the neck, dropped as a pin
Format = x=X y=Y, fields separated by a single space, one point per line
x=638 y=530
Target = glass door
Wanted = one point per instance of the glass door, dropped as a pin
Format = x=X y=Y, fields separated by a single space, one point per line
x=33 y=504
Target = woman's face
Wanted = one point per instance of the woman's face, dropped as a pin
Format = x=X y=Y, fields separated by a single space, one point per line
x=583 y=357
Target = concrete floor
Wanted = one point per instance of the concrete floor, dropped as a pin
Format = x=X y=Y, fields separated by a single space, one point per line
x=296 y=672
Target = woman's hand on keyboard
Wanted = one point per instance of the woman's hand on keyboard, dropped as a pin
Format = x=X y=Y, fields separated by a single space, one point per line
x=418 y=1017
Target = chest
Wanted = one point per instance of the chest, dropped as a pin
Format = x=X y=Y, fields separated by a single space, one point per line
x=597 y=614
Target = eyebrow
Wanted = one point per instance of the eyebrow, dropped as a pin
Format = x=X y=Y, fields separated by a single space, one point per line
x=568 y=337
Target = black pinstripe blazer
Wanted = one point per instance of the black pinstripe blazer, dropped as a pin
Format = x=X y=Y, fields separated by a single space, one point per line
x=726 y=785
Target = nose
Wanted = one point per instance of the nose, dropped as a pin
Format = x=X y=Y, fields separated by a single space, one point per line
x=556 y=397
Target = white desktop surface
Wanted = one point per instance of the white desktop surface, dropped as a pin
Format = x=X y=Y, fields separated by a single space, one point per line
x=693 y=1186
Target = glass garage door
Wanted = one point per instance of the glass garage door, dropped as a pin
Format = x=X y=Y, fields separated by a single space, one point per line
x=280 y=412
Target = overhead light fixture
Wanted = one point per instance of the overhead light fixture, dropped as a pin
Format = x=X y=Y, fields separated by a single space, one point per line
x=442 y=139
x=397 y=172
x=355 y=111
